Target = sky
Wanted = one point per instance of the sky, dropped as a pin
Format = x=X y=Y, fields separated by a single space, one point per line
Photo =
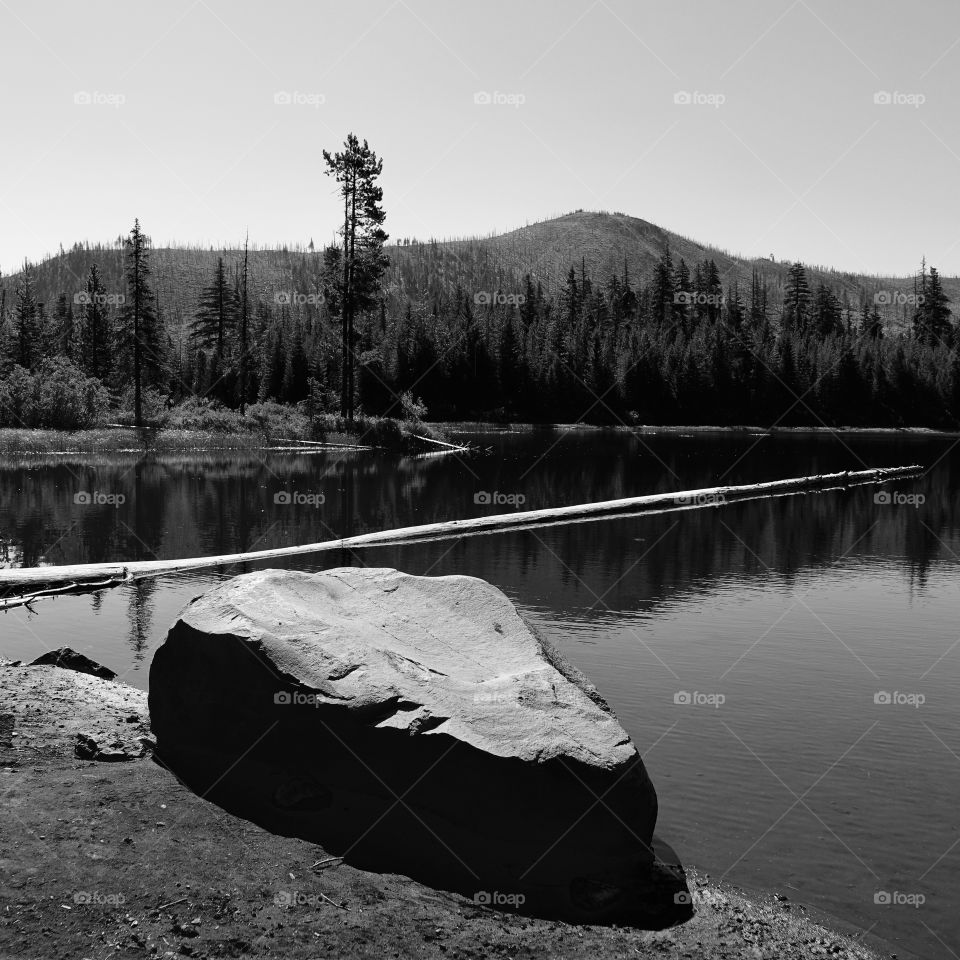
x=824 y=132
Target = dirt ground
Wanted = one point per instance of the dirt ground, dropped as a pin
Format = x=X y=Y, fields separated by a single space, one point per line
x=103 y=859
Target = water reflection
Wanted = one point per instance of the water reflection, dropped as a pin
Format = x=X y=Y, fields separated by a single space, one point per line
x=191 y=505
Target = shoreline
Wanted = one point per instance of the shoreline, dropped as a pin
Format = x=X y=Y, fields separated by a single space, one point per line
x=653 y=429
x=25 y=442
x=122 y=855
x=59 y=443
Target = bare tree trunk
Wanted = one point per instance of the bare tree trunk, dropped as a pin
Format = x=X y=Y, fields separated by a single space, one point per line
x=345 y=309
x=137 y=397
x=243 y=326
x=353 y=241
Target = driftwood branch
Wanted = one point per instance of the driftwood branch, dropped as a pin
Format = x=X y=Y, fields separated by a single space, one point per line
x=85 y=576
x=441 y=443
x=325 y=443
x=7 y=603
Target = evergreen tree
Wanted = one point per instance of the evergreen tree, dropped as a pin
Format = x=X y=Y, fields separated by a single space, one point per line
x=140 y=344
x=932 y=319
x=243 y=326
x=664 y=289
x=361 y=258
x=64 y=335
x=871 y=323
x=757 y=307
x=826 y=312
x=215 y=319
x=796 y=299
x=713 y=289
x=27 y=322
x=96 y=329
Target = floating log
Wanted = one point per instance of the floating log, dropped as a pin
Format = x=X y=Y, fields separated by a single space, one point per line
x=86 y=575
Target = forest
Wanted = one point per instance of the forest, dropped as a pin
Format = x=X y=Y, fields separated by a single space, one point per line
x=677 y=347
x=456 y=332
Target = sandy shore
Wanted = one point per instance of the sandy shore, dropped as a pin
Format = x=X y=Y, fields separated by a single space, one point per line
x=116 y=858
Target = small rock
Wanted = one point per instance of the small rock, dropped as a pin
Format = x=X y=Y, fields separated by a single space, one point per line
x=88 y=748
x=68 y=659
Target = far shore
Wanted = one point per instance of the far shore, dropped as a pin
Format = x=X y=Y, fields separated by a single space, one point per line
x=129 y=440
x=672 y=429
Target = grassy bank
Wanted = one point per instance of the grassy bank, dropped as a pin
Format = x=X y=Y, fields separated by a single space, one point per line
x=222 y=430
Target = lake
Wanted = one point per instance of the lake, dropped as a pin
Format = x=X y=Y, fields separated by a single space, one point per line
x=789 y=668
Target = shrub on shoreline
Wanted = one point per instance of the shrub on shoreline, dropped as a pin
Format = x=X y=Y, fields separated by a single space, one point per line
x=55 y=396
x=43 y=408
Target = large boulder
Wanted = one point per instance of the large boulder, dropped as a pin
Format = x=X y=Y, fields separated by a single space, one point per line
x=414 y=725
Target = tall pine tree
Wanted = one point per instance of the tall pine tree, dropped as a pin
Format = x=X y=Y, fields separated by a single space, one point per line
x=361 y=258
x=139 y=341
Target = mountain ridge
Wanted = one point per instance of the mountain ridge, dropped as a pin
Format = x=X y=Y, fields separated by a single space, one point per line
x=600 y=242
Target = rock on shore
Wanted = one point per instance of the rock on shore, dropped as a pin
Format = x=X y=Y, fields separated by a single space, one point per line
x=414 y=725
x=51 y=712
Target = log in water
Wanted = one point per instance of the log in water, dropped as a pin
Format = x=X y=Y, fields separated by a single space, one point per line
x=37 y=582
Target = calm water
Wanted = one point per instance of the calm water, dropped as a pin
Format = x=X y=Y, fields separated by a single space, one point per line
x=795 y=612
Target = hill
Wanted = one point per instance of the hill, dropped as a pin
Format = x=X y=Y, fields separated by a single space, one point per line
x=602 y=243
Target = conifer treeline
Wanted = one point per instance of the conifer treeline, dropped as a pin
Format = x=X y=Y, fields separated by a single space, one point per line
x=681 y=346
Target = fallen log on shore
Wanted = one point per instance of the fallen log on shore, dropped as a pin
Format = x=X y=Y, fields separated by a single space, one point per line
x=43 y=580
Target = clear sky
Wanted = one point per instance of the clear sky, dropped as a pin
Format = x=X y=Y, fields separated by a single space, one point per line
x=169 y=112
